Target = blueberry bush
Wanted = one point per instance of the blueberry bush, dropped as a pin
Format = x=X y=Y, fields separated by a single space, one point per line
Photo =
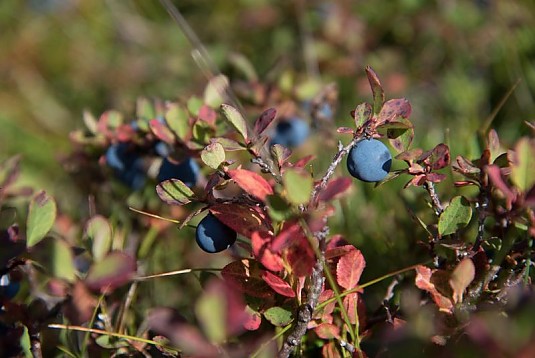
x=281 y=212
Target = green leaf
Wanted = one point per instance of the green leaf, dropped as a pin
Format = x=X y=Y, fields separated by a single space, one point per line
x=41 y=217
x=278 y=208
x=194 y=105
x=211 y=312
x=145 y=109
x=98 y=230
x=174 y=192
x=298 y=185
x=362 y=114
x=177 y=119
x=56 y=256
x=278 y=316
x=456 y=216
x=215 y=91
x=236 y=119
x=213 y=155
x=523 y=164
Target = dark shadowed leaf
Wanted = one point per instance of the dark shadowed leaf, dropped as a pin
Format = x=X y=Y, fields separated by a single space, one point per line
x=56 y=256
x=278 y=316
x=349 y=269
x=423 y=282
x=213 y=155
x=241 y=218
x=362 y=114
x=495 y=175
x=264 y=121
x=455 y=216
x=10 y=244
x=461 y=277
x=251 y=182
x=161 y=131
x=245 y=276
x=41 y=217
x=98 y=230
x=278 y=284
x=301 y=257
x=174 y=192
x=439 y=158
x=114 y=270
x=377 y=90
x=236 y=119
x=82 y=305
x=401 y=138
x=261 y=243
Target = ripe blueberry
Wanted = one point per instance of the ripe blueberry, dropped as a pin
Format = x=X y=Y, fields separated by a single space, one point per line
x=213 y=236
x=369 y=160
x=291 y=133
x=127 y=165
x=187 y=171
x=8 y=288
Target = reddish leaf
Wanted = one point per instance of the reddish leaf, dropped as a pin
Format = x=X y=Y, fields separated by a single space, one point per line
x=377 y=89
x=437 y=158
x=301 y=257
x=301 y=163
x=423 y=282
x=114 y=270
x=261 y=243
x=125 y=133
x=435 y=177
x=80 y=308
x=354 y=305
x=244 y=276
x=161 y=131
x=410 y=155
x=335 y=188
x=394 y=108
x=253 y=321
x=349 y=269
x=207 y=114
x=278 y=284
x=362 y=114
x=338 y=251
x=289 y=234
x=327 y=331
x=243 y=219
x=330 y=350
x=326 y=313
x=251 y=182
x=344 y=130
x=497 y=180
x=336 y=241
x=461 y=277
x=264 y=120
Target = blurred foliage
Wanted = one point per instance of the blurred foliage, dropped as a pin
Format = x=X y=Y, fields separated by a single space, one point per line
x=455 y=60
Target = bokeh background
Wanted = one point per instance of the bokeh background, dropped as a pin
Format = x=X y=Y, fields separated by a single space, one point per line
x=455 y=60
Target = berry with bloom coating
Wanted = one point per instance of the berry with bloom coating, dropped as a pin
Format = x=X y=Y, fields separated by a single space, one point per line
x=369 y=160
x=291 y=133
x=213 y=236
x=127 y=165
x=187 y=171
x=8 y=288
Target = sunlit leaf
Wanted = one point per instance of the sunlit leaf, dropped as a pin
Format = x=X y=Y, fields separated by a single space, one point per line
x=349 y=269
x=174 y=192
x=251 y=182
x=278 y=316
x=461 y=277
x=98 y=230
x=298 y=186
x=236 y=119
x=213 y=155
x=523 y=164
x=455 y=216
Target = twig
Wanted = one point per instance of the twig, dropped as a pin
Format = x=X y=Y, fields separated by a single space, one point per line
x=435 y=200
x=342 y=151
x=307 y=310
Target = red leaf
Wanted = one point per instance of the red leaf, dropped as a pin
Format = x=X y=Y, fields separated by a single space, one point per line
x=327 y=331
x=423 y=282
x=330 y=350
x=435 y=177
x=278 y=284
x=253 y=321
x=251 y=182
x=338 y=251
x=291 y=231
x=301 y=257
x=125 y=133
x=241 y=218
x=335 y=188
x=161 y=131
x=301 y=163
x=244 y=276
x=336 y=241
x=438 y=157
x=354 y=305
x=349 y=269
x=261 y=243
x=264 y=120
x=495 y=175
x=207 y=114
x=394 y=108
x=325 y=314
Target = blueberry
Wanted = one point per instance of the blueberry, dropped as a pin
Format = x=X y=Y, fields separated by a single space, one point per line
x=213 y=236
x=8 y=288
x=162 y=149
x=369 y=160
x=187 y=171
x=291 y=133
x=127 y=165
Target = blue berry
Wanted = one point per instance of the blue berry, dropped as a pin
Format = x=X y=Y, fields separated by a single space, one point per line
x=213 y=236
x=291 y=133
x=8 y=288
x=369 y=160
x=187 y=171
x=162 y=149
x=127 y=165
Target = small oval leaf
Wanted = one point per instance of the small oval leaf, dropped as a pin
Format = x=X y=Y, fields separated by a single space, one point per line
x=455 y=216
x=298 y=185
x=213 y=155
x=236 y=119
x=251 y=182
x=278 y=316
x=174 y=192
x=114 y=270
x=41 y=217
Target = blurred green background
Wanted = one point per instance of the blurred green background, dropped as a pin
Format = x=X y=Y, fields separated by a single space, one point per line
x=454 y=60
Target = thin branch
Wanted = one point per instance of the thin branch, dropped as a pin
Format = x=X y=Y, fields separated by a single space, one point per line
x=435 y=200
x=342 y=151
